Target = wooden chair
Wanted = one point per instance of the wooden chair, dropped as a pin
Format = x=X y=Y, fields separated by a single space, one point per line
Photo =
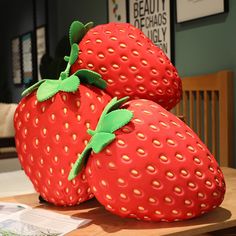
x=207 y=107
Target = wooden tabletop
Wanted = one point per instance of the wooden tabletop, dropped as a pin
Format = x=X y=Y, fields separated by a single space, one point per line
x=104 y=223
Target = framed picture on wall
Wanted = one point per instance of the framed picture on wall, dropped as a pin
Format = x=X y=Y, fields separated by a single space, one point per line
x=117 y=10
x=16 y=61
x=27 y=57
x=155 y=19
x=187 y=10
x=41 y=46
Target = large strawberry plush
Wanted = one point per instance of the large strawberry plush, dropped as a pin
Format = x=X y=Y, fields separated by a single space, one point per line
x=147 y=164
x=130 y=64
x=50 y=125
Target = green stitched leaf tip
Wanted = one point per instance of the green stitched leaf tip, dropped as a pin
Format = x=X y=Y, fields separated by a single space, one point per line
x=47 y=89
x=80 y=163
x=32 y=88
x=115 y=120
x=91 y=77
x=101 y=140
x=76 y=32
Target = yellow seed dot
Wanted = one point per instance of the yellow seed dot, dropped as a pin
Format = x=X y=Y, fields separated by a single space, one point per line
x=74 y=137
x=156 y=142
x=108 y=197
x=197 y=160
x=52 y=116
x=168 y=199
x=156 y=183
x=123 y=196
x=57 y=137
x=121 y=142
x=103 y=69
x=208 y=183
x=123 y=209
x=36 y=142
x=125 y=158
x=66 y=148
x=104 y=183
x=170 y=142
x=179 y=156
x=163 y=158
x=141 y=151
x=65 y=110
x=191 y=185
x=120 y=180
x=187 y=202
x=124 y=58
x=198 y=173
x=144 y=62
x=170 y=174
x=135 y=53
x=151 y=168
x=184 y=172
x=175 y=212
x=152 y=200
x=153 y=127
x=66 y=125
x=191 y=148
x=201 y=195
x=137 y=192
x=157 y=212
x=111 y=50
x=134 y=172
x=44 y=131
x=133 y=68
x=56 y=158
x=177 y=189
x=111 y=165
x=141 y=208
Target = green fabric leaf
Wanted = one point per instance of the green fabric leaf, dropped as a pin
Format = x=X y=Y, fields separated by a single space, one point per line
x=80 y=163
x=70 y=84
x=88 y=26
x=117 y=104
x=91 y=77
x=77 y=32
x=101 y=140
x=47 y=89
x=66 y=58
x=32 y=88
x=115 y=120
x=74 y=53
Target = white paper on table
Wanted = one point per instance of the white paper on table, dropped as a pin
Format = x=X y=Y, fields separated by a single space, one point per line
x=20 y=220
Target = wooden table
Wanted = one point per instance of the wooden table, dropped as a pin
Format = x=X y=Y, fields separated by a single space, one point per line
x=104 y=223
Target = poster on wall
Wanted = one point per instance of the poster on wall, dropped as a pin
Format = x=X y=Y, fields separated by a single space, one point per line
x=117 y=11
x=154 y=18
x=41 y=46
x=27 y=58
x=16 y=61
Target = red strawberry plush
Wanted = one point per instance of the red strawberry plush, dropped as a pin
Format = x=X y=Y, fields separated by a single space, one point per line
x=154 y=168
x=130 y=63
x=50 y=127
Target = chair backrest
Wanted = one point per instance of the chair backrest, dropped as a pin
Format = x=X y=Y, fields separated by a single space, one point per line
x=207 y=107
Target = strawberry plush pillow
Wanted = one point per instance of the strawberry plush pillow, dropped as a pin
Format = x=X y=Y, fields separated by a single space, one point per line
x=130 y=63
x=50 y=129
x=148 y=164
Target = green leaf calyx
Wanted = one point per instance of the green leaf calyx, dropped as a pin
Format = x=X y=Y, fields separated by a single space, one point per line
x=110 y=120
